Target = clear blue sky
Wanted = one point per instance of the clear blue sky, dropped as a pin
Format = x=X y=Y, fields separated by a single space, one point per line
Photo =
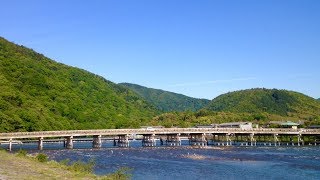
x=200 y=48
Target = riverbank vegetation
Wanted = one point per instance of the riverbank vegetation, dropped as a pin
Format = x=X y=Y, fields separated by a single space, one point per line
x=24 y=166
x=207 y=117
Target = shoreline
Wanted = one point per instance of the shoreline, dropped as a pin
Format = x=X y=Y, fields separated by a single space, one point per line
x=17 y=166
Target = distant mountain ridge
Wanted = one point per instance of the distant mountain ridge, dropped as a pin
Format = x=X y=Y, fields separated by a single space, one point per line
x=167 y=101
x=38 y=93
x=272 y=101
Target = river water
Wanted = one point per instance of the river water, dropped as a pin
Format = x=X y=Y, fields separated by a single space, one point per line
x=284 y=162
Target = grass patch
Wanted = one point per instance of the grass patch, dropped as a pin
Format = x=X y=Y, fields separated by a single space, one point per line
x=21 y=153
x=21 y=165
x=83 y=167
x=42 y=157
x=121 y=174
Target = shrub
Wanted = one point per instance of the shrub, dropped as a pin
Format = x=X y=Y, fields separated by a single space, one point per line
x=123 y=173
x=84 y=167
x=42 y=157
x=22 y=153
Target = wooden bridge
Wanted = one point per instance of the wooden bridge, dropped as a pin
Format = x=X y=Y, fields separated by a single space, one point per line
x=172 y=136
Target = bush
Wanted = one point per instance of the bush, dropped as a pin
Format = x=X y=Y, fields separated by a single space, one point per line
x=123 y=173
x=42 y=157
x=22 y=153
x=84 y=167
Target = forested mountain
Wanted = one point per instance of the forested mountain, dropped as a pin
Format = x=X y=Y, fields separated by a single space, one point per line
x=37 y=93
x=272 y=101
x=168 y=101
x=259 y=106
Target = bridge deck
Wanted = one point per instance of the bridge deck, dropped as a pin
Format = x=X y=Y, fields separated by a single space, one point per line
x=161 y=131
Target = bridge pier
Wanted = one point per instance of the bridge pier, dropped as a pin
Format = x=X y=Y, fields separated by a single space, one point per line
x=148 y=140
x=198 y=140
x=69 y=143
x=123 y=141
x=239 y=140
x=253 y=141
x=173 y=140
x=276 y=140
x=316 y=140
x=97 y=142
x=228 y=140
x=10 y=144
x=222 y=140
x=292 y=140
x=300 y=139
x=40 y=144
x=161 y=141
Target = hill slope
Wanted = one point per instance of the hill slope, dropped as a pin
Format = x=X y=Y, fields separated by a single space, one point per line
x=37 y=93
x=272 y=101
x=168 y=101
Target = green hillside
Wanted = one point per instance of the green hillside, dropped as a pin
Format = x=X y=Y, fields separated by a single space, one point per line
x=168 y=101
x=259 y=106
x=272 y=101
x=37 y=93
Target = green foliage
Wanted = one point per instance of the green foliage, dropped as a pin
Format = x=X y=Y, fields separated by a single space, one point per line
x=37 y=93
x=22 y=153
x=88 y=168
x=83 y=167
x=123 y=173
x=271 y=101
x=168 y=101
x=42 y=157
x=256 y=105
x=207 y=117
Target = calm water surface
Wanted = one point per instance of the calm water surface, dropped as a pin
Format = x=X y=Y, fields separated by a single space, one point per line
x=191 y=163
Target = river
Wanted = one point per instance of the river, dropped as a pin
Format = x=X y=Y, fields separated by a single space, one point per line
x=284 y=162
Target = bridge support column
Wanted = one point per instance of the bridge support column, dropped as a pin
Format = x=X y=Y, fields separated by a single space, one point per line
x=114 y=141
x=276 y=140
x=148 y=140
x=40 y=143
x=220 y=140
x=96 y=142
x=123 y=141
x=161 y=141
x=253 y=141
x=69 y=143
x=228 y=139
x=10 y=144
x=173 y=140
x=291 y=140
x=198 y=140
x=300 y=140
